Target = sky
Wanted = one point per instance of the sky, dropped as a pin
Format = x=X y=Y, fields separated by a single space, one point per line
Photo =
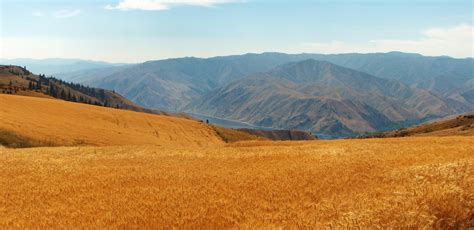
x=130 y=31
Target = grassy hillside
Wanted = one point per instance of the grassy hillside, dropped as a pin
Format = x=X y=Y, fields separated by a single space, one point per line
x=14 y=140
x=412 y=183
x=462 y=125
x=277 y=135
x=233 y=135
x=65 y=123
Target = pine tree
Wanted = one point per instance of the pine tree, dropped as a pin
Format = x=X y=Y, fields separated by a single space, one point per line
x=62 y=95
x=52 y=91
x=38 y=85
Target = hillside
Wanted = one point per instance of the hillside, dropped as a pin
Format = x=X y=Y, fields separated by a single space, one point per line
x=462 y=125
x=320 y=97
x=56 y=122
x=403 y=183
x=281 y=135
x=19 y=81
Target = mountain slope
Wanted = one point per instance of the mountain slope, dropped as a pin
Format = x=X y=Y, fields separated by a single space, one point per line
x=58 y=122
x=324 y=98
x=171 y=84
x=438 y=74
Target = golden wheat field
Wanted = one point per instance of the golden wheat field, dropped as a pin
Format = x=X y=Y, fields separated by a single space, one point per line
x=417 y=182
x=59 y=122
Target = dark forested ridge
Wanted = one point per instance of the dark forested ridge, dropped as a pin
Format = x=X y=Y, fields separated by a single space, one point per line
x=20 y=81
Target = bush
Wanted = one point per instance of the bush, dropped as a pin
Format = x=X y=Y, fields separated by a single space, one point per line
x=12 y=140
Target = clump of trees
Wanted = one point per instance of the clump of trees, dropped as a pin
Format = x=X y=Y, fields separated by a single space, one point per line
x=64 y=90
x=58 y=88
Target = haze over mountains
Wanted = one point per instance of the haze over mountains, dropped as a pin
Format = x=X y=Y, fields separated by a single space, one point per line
x=335 y=95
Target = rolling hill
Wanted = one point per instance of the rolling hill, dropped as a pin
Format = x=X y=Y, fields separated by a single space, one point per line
x=324 y=98
x=56 y=122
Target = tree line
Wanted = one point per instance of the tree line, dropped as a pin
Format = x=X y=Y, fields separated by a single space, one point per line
x=63 y=90
x=60 y=89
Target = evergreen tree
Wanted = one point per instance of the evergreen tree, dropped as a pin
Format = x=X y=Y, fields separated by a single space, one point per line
x=52 y=91
x=38 y=84
x=62 y=95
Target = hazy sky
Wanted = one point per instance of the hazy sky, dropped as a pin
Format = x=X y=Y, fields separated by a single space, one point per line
x=139 y=30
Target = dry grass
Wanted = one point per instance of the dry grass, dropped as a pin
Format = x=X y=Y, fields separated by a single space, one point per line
x=66 y=123
x=12 y=140
x=233 y=135
x=424 y=182
x=460 y=125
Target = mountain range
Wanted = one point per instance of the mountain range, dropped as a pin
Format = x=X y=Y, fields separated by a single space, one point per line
x=336 y=95
x=324 y=98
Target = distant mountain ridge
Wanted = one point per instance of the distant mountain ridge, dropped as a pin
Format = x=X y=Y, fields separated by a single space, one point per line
x=324 y=98
x=171 y=84
x=52 y=66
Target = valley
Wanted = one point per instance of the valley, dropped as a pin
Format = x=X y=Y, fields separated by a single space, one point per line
x=323 y=98
x=421 y=87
